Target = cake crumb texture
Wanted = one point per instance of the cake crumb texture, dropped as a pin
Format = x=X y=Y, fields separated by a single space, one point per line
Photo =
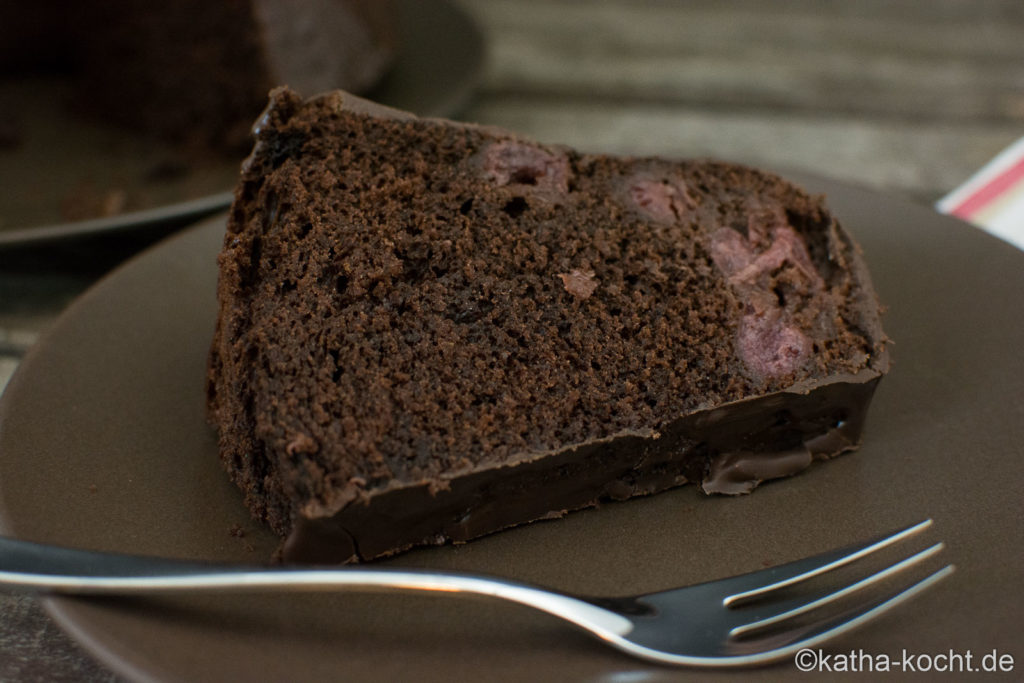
x=404 y=301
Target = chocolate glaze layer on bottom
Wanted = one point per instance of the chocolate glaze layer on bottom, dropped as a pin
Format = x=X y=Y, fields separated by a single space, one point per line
x=729 y=449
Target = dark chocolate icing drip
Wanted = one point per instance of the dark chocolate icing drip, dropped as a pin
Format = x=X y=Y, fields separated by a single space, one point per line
x=730 y=449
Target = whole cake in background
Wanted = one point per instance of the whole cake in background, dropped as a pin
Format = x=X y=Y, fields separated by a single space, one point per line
x=192 y=71
x=430 y=331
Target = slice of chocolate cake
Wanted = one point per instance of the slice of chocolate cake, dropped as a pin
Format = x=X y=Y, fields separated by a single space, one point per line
x=430 y=331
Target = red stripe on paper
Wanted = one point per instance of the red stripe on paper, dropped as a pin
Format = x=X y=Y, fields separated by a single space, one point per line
x=990 y=190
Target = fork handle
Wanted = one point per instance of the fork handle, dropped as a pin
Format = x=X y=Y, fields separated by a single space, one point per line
x=44 y=568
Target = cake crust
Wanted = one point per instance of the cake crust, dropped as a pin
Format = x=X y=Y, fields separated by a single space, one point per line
x=430 y=331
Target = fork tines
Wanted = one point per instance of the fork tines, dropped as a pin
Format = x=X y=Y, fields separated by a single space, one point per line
x=784 y=609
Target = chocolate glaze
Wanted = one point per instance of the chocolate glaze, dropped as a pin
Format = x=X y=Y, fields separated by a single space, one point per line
x=729 y=449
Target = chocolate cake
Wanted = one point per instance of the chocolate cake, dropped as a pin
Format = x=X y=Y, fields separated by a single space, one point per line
x=193 y=71
x=430 y=331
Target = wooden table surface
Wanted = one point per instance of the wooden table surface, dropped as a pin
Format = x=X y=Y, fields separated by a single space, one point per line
x=905 y=96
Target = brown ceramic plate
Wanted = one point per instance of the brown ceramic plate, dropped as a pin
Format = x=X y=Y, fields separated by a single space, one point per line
x=69 y=178
x=103 y=444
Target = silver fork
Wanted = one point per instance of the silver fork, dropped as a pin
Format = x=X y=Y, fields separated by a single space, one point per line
x=739 y=621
